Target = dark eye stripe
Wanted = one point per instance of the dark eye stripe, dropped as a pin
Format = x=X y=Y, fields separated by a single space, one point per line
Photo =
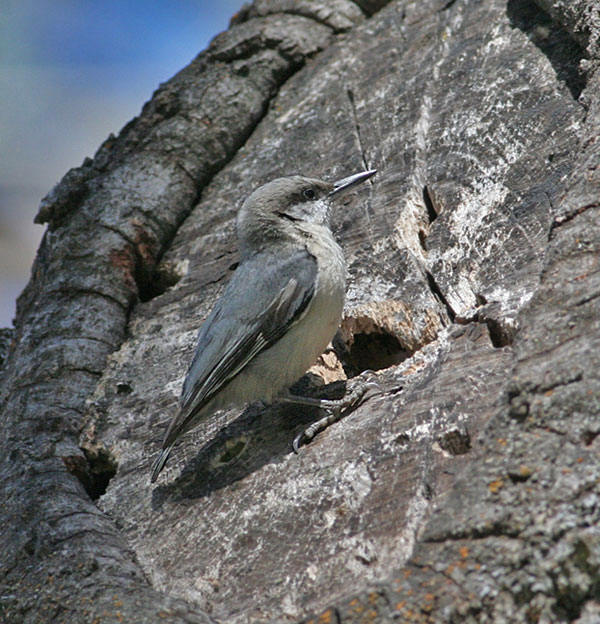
x=285 y=215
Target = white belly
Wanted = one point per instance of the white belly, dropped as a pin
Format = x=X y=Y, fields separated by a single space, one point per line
x=277 y=368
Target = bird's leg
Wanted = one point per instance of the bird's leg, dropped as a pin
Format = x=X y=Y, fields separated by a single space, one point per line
x=335 y=409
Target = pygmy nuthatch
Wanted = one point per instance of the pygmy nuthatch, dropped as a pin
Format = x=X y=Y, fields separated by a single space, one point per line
x=281 y=308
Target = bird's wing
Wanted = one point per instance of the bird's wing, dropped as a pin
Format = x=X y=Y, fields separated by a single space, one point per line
x=266 y=295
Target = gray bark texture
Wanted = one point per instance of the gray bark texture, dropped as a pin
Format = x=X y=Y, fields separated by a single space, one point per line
x=468 y=490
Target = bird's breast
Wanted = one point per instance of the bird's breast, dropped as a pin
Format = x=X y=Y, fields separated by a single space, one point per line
x=317 y=327
x=330 y=291
x=295 y=352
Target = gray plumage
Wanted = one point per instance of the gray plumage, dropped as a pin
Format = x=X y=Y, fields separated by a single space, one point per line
x=279 y=311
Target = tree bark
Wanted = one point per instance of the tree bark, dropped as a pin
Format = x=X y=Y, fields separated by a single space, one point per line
x=468 y=490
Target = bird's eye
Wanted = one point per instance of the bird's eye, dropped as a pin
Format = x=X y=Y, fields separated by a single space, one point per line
x=308 y=193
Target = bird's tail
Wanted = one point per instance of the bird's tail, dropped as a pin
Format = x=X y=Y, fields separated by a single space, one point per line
x=160 y=462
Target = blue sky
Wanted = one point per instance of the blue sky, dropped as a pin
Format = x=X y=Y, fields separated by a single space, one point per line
x=71 y=72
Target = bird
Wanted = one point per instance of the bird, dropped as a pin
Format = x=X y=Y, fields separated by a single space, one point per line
x=281 y=308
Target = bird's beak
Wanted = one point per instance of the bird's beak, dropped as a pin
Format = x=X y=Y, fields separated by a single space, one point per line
x=345 y=183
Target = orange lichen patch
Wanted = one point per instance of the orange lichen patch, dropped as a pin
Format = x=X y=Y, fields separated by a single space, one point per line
x=356 y=606
x=326 y=617
x=525 y=471
x=373 y=597
x=400 y=605
x=464 y=552
x=427 y=607
x=407 y=573
x=502 y=441
x=495 y=486
x=579 y=460
x=549 y=392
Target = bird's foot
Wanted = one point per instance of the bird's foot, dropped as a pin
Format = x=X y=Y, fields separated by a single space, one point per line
x=335 y=409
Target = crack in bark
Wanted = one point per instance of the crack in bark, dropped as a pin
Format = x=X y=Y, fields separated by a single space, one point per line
x=117 y=231
x=310 y=16
x=431 y=211
x=90 y=338
x=252 y=45
x=495 y=530
x=549 y=429
x=75 y=290
x=566 y=382
x=586 y=300
x=436 y=290
x=548 y=351
x=569 y=216
x=447 y=6
x=96 y=513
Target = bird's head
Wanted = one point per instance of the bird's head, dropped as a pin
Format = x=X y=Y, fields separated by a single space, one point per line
x=281 y=208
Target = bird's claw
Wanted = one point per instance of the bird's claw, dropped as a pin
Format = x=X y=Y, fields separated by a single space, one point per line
x=336 y=410
x=304 y=437
x=297 y=441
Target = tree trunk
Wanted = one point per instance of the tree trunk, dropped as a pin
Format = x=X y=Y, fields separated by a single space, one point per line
x=468 y=490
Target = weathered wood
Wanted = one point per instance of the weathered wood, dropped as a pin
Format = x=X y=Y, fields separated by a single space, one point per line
x=109 y=222
x=467 y=490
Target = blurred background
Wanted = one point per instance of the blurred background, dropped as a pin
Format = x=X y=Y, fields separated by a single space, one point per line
x=72 y=72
